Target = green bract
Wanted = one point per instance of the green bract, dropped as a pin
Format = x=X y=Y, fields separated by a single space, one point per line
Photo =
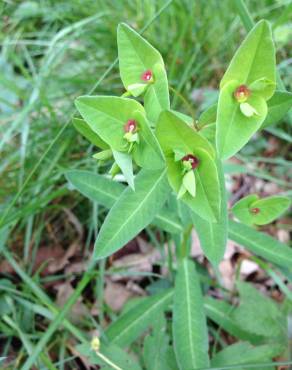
x=252 y=71
x=253 y=210
x=136 y=57
x=108 y=115
x=175 y=137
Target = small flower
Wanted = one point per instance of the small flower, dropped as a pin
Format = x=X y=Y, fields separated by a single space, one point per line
x=242 y=93
x=131 y=133
x=95 y=344
x=255 y=211
x=147 y=76
x=190 y=162
x=130 y=126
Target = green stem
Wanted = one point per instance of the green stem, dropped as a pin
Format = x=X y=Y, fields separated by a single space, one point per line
x=184 y=248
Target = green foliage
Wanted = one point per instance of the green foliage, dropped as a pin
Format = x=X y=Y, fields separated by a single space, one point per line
x=189 y=321
x=253 y=210
x=278 y=106
x=240 y=115
x=137 y=56
x=175 y=136
x=136 y=320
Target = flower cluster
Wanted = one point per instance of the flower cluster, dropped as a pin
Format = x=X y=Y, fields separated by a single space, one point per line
x=242 y=94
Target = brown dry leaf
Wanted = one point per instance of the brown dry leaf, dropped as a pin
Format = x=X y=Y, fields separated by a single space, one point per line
x=78 y=310
x=196 y=250
x=116 y=295
x=248 y=267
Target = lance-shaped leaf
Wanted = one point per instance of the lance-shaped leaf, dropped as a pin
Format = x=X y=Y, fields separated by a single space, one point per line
x=133 y=211
x=213 y=235
x=233 y=127
x=260 y=244
x=278 y=106
x=137 y=56
x=253 y=210
x=254 y=62
x=175 y=136
x=108 y=115
x=106 y=192
x=84 y=129
x=136 y=320
x=243 y=353
x=190 y=332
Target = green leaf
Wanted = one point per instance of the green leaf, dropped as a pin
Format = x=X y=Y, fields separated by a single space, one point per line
x=234 y=129
x=221 y=313
x=157 y=350
x=106 y=192
x=190 y=332
x=245 y=353
x=254 y=60
x=136 y=56
x=261 y=244
x=278 y=106
x=113 y=353
x=175 y=136
x=107 y=116
x=253 y=210
x=208 y=116
x=124 y=161
x=84 y=129
x=133 y=211
x=136 y=320
x=258 y=314
x=213 y=235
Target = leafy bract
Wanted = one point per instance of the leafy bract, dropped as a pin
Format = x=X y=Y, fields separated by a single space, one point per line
x=136 y=320
x=175 y=136
x=254 y=61
x=106 y=192
x=133 y=211
x=261 y=244
x=107 y=116
x=136 y=56
x=190 y=333
x=233 y=128
x=253 y=210
x=84 y=129
x=213 y=235
x=278 y=106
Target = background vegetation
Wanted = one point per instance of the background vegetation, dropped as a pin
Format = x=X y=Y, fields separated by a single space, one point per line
x=54 y=51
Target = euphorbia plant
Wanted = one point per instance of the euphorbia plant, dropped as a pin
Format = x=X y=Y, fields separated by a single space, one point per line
x=173 y=167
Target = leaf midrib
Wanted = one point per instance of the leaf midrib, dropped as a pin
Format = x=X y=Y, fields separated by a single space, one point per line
x=133 y=214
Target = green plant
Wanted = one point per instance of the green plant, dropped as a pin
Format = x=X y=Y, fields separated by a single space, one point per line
x=162 y=152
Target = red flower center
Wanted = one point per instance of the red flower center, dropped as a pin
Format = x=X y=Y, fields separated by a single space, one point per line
x=241 y=93
x=130 y=126
x=194 y=161
x=147 y=75
x=255 y=211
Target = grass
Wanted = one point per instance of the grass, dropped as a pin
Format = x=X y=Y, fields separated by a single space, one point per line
x=51 y=52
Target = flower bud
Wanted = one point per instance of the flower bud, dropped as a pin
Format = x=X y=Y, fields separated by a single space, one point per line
x=147 y=76
x=242 y=93
x=255 y=211
x=95 y=344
